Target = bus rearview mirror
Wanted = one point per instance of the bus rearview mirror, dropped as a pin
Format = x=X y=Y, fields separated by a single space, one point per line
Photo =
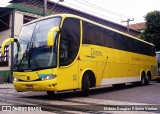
x=5 y=43
x=51 y=35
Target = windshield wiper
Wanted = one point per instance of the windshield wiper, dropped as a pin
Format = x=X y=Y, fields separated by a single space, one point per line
x=24 y=55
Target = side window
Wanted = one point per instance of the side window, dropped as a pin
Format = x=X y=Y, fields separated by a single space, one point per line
x=93 y=34
x=69 y=41
x=90 y=33
x=120 y=41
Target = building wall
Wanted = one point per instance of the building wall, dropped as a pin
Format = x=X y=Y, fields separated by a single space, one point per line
x=18 y=22
x=7 y=34
x=4 y=35
x=5 y=71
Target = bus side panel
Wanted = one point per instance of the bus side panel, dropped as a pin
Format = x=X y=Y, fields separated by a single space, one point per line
x=133 y=73
x=100 y=69
x=122 y=69
x=84 y=66
x=68 y=77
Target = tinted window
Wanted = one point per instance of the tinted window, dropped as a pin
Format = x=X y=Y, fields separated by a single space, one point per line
x=93 y=34
x=90 y=33
x=70 y=41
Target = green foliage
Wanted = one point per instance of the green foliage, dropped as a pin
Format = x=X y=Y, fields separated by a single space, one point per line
x=152 y=29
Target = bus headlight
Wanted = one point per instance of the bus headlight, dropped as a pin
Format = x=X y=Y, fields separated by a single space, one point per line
x=15 y=79
x=50 y=77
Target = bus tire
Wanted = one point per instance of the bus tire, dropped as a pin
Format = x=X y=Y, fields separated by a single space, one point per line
x=148 y=78
x=50 y=94
x=142 y=82
x=85 y=85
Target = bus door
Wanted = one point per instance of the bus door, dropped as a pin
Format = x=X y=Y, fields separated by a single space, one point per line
x=68 y=50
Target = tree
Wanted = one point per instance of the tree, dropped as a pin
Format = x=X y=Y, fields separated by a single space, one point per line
x=152 y=29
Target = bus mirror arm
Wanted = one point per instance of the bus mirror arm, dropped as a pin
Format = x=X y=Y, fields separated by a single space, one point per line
x=10 y=40
x=51 y=35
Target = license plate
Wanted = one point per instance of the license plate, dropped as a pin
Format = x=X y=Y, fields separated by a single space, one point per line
x=29 y=86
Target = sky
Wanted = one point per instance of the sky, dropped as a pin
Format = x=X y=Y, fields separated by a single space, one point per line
x=112 y=10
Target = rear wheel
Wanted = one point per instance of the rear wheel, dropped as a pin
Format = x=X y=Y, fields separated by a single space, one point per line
x=148 y=78
x=142 y=82
x=85 y=85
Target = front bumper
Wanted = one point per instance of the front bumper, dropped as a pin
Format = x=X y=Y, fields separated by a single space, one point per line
x=47 y=85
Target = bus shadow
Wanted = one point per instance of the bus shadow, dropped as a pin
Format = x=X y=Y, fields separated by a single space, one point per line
x=75 y=94
x=103 y=90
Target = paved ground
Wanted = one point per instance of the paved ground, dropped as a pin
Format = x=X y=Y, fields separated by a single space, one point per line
x=137 y=96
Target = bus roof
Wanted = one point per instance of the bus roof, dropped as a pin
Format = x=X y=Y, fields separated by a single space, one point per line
x=75 y=16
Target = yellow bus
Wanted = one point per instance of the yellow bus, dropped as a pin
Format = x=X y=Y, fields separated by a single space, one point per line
x=68 y=52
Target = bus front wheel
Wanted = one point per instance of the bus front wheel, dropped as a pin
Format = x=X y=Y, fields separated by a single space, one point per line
x=85 y=85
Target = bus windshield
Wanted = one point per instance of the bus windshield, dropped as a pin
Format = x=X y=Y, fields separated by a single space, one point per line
x=33 y=52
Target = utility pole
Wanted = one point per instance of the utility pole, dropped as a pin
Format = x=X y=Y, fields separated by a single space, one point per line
x=45 y=8
x=12 y=45
x=45 y=12
x=127 y=21
x=55 y=5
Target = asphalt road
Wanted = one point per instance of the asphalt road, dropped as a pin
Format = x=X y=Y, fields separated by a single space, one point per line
x=130 y=93
x=127 y=95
